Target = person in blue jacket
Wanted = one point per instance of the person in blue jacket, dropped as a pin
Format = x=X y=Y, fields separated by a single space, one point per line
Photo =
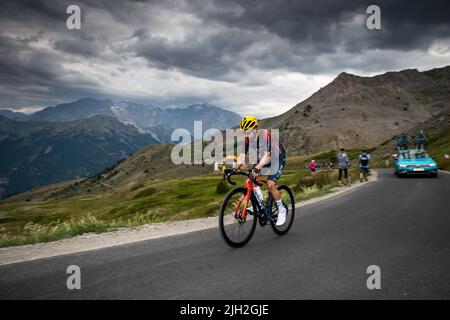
x=364 y=167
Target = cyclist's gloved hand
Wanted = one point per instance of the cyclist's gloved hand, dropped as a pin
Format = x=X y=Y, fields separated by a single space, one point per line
x=256 y=171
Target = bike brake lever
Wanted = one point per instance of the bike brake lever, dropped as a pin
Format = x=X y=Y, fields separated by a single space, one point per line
x=255 y=181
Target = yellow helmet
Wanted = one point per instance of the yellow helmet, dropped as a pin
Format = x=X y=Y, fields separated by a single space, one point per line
x=249 y=123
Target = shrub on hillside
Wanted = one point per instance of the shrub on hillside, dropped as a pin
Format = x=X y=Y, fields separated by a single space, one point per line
x=320 y=180
x=145 y=193
x=222 y=187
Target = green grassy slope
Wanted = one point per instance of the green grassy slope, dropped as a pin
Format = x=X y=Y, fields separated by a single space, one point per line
x=137 y=203
x=439 y=145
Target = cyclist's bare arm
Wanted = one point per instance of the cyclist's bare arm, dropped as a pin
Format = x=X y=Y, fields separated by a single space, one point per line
x=240 y=161
x=264 y=160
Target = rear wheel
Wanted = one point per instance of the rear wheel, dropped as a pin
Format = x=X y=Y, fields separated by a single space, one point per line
x=235 y=230
x=288 y=201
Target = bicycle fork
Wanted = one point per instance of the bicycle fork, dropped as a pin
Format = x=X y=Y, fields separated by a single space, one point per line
x=241 y=215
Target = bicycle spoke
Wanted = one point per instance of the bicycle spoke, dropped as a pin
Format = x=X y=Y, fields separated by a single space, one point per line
x=236 y=228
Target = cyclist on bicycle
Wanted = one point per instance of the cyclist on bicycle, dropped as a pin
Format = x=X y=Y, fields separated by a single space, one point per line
x=249 y=125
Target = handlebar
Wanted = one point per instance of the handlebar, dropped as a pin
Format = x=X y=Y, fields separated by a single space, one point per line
x=249 y=175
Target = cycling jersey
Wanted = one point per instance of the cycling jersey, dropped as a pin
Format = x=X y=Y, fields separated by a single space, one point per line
x=276 y=149
x=269 y=144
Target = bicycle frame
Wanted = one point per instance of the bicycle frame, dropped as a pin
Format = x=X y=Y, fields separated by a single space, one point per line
x=249 y=186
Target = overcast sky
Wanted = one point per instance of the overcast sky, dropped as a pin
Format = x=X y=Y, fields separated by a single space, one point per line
x=250 y=56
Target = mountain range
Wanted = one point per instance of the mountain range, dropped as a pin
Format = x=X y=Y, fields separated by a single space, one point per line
x=160 y=122
x=13 y=114
x=78 y=139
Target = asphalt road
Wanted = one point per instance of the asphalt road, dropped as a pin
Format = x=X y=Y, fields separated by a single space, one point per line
x=400 y=225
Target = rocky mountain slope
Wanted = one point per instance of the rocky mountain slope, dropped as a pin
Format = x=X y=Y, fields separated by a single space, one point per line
x=355 y=111
x=39 y=153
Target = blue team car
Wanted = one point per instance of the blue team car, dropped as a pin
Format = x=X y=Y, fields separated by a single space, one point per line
x=412 y=162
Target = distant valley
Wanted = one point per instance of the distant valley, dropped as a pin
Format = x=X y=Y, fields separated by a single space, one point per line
x=79 y=139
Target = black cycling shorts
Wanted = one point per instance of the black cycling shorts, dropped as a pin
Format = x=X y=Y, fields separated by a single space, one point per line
x=281 y=163
x=277 y=175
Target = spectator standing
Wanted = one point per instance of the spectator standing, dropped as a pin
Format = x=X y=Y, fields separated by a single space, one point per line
x=313 y=167
x=343 y=165
x=364 y=161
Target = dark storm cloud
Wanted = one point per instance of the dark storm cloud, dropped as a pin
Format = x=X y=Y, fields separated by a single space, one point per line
x=308 y=29
x=215 y=40
x=208 y=57
x=79 y=46
x=33 y=74
x=29 y=9
x=408 y=24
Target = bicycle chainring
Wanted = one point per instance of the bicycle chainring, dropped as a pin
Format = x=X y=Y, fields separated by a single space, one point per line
x=262 y=220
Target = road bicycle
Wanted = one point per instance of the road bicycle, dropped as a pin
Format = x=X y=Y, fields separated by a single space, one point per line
x=237 y=219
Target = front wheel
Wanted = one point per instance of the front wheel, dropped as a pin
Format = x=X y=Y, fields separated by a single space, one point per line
x=236 y=230
x=287 y=199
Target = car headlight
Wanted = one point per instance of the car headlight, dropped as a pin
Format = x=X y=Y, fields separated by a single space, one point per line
x=432 y=164
x=403 y=165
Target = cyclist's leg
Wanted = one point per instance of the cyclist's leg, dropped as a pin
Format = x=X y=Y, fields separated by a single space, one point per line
x=273 y=178
x=272 y=186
